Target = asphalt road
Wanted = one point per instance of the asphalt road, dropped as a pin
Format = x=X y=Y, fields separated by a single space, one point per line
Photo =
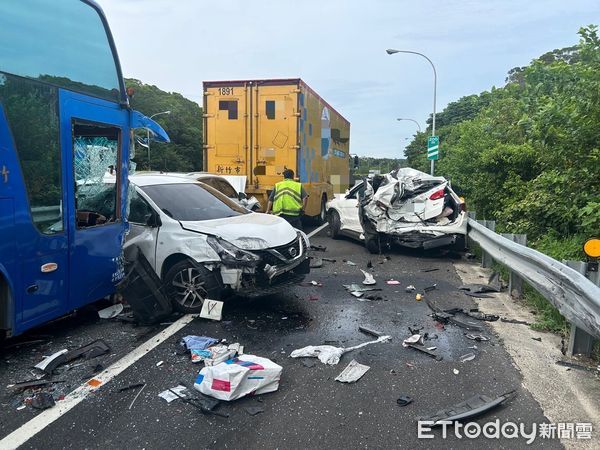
x=310 y=409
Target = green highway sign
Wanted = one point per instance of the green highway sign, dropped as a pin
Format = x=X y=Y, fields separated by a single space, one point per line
x=433 y=148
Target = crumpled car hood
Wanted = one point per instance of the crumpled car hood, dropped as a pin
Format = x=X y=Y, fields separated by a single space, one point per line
x=254 y=231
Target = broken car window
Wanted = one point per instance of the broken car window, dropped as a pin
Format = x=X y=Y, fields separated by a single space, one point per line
x=192 y=202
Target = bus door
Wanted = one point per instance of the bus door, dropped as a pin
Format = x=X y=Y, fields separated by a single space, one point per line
x=95 y=139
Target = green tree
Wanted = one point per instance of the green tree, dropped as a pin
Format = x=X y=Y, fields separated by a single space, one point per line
x=184 y=126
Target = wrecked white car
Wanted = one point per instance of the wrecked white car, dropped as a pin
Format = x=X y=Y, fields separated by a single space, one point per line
x=406 y=206
x=203 y=245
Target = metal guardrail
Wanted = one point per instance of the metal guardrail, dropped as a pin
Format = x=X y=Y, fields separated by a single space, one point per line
x=575 y=297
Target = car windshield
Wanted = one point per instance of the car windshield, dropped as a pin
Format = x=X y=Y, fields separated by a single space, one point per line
x=192 y=202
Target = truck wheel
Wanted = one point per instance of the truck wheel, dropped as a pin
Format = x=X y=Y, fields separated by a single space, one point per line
x=333 y=218
x=189 y=284
x=322 y=217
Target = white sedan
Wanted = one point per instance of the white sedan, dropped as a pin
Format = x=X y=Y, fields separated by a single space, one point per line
x=203 y=245
x=406 y=206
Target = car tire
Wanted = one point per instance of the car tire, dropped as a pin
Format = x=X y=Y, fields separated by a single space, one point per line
x=189 y=284
x=372 y=244
x=333 y=218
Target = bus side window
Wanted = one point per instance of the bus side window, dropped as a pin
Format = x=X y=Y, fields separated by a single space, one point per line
x=95 y=157
x=31 y=110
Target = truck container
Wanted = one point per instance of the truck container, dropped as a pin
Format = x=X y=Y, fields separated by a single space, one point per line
x=258 y=128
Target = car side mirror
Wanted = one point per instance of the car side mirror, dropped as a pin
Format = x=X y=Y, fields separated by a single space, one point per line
x=153 y=221
x=242 y=196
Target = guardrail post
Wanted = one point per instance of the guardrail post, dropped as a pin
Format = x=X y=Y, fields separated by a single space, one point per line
x=515 y=282
x=486 y=259
x=581 y=342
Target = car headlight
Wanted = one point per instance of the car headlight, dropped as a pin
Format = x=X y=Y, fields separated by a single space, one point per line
x=230 y=254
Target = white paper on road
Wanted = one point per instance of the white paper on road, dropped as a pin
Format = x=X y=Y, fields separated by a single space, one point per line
x=369 y=280
x=212 y=309
x=352 y=373
x=178 y=391
x=111 y=311
x=328 y=354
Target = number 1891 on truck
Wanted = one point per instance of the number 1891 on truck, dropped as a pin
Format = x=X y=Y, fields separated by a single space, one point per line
x=65 y=125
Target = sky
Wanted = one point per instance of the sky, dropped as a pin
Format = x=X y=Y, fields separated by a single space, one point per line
x=338 y=48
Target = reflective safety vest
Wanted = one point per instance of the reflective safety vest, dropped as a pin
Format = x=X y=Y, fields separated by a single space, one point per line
x=288 y=198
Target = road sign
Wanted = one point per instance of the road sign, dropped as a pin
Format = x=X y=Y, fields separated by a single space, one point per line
x=433 y=148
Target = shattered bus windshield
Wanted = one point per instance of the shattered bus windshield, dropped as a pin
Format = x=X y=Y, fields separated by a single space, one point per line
x=192 y=202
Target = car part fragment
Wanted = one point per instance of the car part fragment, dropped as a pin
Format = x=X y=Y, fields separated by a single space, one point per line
x=473 y=407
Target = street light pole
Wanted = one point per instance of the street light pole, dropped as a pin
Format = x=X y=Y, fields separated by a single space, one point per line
x=148 y=134
x=412 y=120
x=391 y=51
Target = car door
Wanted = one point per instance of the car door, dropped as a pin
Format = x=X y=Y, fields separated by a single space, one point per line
x=95 y=136
x=348 y=208
x=143 y=226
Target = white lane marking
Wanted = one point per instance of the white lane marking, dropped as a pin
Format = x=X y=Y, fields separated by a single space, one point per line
x=45 y=418
x=313 y=232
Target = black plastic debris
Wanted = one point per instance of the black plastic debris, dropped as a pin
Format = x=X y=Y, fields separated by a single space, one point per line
x=473 y=313
x=89 y=351
x=42 y=400
x=572 y=365
x=478 y=288
x=473 y=407
x=539 y=339
x=430 y=288
x=370 y=331
x=425 y=350
x=478 y=294
x=318 y=248
x=202 y=402
x=23 y=385
x=143 y=289
x=519 y=322
x=431 y=269
x=254 y=410
x=131 y=386
x=404 y=400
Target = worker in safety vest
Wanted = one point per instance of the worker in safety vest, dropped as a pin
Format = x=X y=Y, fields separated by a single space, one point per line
x=288 y=199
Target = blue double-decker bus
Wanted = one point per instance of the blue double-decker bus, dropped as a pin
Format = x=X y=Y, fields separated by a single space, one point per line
x=65 y=126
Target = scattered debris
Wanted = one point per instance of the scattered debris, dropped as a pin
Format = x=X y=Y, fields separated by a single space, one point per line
x=24 y=385
x=241 y=376
x=369 y=280
x=392 y=282
x=369 y=264
x=474 y=314
x=572 y=365
x=212 y=309
x=425 y=350
x=349 y=263
x=370 y=331
x=431 y=269
x=467 y=357
x=315 y=262
x=478 y=294
x=352 y=373
x=197 y=346
x=520 y=322
x=137 y=395
x=418 y=297
x=456 y=371
x=473 y=407
x=160 y=363
x=91 y=350
x=539 y=339
x=131 y=386
x=318 y=248
x=328 y=354
x=111 y=311
x=430 y=288
x=329 y=260
x=42 y=400
x=254 y=410
x=414 y=339
x=478 y=288
x=477 y=337
x=173 y=394
x=410 y=288
x=316 y=283
x=404 y=400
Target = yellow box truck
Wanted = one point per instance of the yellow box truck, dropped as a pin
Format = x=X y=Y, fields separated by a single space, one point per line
x=258 y=128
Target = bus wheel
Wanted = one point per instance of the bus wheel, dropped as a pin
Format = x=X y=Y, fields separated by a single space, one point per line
x=322 y=217
x=189 y=284
x=334 y=223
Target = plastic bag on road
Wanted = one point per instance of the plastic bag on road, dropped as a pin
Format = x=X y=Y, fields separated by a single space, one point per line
x=328 y=354
x=238 y=377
